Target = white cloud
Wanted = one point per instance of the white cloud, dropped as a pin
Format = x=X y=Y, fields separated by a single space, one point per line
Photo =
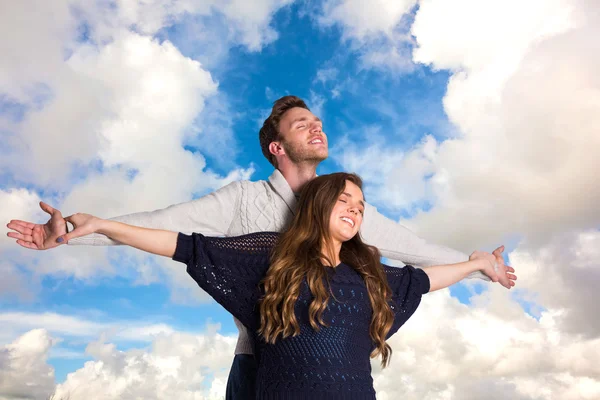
x=524 y=162
x=325 y=75
x=177 y=365
x=16 y=283
x=377 y=30
x=72 y=326
x=316 y=103
x=17 y=204
x=472 y=35
x=252 y=18
x=564 y=275
x=526 y=111
x=24 y=373
x=361 y=20
x=29 y=41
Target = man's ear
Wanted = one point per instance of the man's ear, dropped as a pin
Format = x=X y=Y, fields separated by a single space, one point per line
x=276 y=149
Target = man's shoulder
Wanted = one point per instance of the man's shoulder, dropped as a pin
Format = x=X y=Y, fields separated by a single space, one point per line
x=245 y=183
x=263 y=184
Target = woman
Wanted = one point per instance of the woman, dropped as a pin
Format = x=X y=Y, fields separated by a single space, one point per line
x=318 y=299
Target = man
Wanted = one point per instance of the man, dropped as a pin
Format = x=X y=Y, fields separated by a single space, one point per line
x=293 y=141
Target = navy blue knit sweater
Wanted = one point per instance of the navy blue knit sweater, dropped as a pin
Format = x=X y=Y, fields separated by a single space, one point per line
x=332 y=363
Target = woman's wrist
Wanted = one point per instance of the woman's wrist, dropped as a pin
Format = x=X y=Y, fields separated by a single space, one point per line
x=102 y=226
x=478 y=265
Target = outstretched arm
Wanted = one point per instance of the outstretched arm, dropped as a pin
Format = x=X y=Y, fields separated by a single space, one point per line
x=396 y=242
x=210 y=215
x=155 y=241
x=442 y=276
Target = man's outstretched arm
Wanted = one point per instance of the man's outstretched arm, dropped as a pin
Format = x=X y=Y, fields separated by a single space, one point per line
x=396 y=242
x=210 y=215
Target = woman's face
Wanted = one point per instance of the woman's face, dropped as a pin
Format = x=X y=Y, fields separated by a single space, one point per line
x=347 y=214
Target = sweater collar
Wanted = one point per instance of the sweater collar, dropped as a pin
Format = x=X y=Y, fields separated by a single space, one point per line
x=283 y=189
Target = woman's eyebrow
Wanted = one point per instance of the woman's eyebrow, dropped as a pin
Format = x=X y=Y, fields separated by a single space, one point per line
x=362 y=203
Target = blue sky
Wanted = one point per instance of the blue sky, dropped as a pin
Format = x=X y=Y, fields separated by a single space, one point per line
x=138 y=107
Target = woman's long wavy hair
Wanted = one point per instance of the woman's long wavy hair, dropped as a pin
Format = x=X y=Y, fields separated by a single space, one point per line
x=300 y=254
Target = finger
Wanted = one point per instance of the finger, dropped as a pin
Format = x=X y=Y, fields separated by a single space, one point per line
x=29 y=245
x=512 y=277
x=509 y=269
x=17 y=225
x=499 y=250
x=19 y=236
x=48 y=208
x=64 y=239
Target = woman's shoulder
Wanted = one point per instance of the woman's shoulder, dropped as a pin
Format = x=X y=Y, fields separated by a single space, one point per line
x=251 y=242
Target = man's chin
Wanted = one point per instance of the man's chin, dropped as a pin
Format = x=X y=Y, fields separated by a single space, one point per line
x=320 y=156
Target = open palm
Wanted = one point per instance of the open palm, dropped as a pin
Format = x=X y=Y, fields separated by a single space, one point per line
x=506 y=276
x=39 y=236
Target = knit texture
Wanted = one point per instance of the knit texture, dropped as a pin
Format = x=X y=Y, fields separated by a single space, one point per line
x=332 y=363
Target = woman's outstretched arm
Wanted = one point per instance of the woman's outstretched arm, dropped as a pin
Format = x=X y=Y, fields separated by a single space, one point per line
x=154 y=241
x=442 y=276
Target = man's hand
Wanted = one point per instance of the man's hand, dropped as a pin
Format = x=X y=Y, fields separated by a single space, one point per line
x=38 y=236
x=506 y=275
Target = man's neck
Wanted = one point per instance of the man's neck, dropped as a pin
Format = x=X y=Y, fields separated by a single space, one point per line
x=297 y=175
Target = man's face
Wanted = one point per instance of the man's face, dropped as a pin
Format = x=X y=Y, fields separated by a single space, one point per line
x=302 y=136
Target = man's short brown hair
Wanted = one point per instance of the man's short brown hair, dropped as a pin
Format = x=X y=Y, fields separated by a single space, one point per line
x=270 y=130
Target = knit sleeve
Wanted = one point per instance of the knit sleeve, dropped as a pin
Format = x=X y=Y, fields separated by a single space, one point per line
x=408 y=284
x=229 y=269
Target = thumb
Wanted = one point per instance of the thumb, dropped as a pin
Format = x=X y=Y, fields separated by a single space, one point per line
x=499 y=250
x=46 y=207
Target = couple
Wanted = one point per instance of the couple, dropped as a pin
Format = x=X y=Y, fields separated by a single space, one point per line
x=311 y=312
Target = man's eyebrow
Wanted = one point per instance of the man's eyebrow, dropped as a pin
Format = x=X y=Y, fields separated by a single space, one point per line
x=362 y=203
x=317 y=119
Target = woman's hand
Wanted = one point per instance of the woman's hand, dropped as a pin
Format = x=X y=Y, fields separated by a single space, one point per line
x=83 y=224
x=489 y=264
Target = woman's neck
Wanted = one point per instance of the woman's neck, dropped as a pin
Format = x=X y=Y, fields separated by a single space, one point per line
x=333 y=258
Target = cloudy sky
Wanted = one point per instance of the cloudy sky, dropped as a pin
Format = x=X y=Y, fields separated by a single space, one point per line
x=474 y=123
